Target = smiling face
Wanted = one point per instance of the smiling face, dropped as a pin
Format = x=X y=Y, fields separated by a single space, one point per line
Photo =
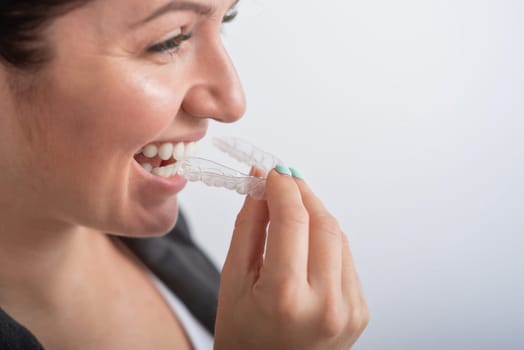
x=124 y=74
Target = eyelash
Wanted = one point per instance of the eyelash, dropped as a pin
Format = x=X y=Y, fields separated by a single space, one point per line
x=172 y=45
x=230 y=16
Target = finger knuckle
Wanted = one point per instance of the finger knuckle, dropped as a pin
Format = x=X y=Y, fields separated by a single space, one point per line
x=295 y=218
x=358 y=318
x=365 y=317
x=333 y=320
x=345 y=240
x=241 y=219
x=327 y=224
x=287 y=304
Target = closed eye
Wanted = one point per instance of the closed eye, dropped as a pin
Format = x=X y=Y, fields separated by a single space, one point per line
x=230 y=15
x=171 y=44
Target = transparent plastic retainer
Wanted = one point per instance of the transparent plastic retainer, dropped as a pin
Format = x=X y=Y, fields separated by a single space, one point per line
x=217 y=175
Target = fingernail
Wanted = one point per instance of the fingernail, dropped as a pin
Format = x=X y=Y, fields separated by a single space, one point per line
x=283 y=170
x=296 y=174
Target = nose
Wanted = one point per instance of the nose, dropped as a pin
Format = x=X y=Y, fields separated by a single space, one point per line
x=216 y=91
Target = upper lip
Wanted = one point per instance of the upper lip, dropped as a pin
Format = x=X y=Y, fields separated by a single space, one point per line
x=193 y=137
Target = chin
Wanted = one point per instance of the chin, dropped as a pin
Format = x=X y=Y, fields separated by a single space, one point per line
x=151 y=223
x=161 y=226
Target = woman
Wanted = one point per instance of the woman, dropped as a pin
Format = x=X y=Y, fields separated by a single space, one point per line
x=85 y=86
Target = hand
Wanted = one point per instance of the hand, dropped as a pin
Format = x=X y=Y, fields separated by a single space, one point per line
x=303 y=291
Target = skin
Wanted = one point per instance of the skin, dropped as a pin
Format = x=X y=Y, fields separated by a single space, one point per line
x=69 y=182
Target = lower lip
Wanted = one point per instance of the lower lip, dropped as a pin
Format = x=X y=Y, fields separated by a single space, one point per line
x=167 y=185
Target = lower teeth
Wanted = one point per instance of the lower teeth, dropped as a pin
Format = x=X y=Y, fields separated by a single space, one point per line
x=164 y=171
x=148 y=167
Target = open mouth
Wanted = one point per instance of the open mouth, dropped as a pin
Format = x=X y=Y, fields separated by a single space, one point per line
x=165 y=159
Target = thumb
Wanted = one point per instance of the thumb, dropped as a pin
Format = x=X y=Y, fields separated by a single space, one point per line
x=249 y=236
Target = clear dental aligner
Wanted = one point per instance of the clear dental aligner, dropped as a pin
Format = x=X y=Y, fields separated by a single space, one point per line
x=246 y=153
x=218 y=175
x=169 y=159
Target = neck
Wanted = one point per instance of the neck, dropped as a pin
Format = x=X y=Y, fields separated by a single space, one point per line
x=45 y=262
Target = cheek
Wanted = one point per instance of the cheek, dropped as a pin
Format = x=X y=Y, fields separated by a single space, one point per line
x=153 y=108
x=121 y=111
x=94 y=124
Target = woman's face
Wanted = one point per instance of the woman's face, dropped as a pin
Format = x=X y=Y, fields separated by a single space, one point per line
x=125 y=74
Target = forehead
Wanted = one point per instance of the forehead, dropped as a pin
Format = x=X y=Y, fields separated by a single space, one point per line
x=129 y=12
x=102 y=23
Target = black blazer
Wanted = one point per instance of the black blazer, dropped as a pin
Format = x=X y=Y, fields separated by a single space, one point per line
x=175 y=259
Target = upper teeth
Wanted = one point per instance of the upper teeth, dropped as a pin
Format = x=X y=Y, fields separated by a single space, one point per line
x=167 y=150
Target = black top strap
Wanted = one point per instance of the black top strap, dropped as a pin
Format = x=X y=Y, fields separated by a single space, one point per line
x=14 y=336
x=183 y=268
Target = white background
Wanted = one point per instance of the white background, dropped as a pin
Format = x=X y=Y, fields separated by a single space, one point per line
x=406 y=118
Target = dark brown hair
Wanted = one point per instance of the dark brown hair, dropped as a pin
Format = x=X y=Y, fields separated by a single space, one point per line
x=22 y=23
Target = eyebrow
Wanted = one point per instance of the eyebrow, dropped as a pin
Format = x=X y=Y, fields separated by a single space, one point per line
x=177 y=5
